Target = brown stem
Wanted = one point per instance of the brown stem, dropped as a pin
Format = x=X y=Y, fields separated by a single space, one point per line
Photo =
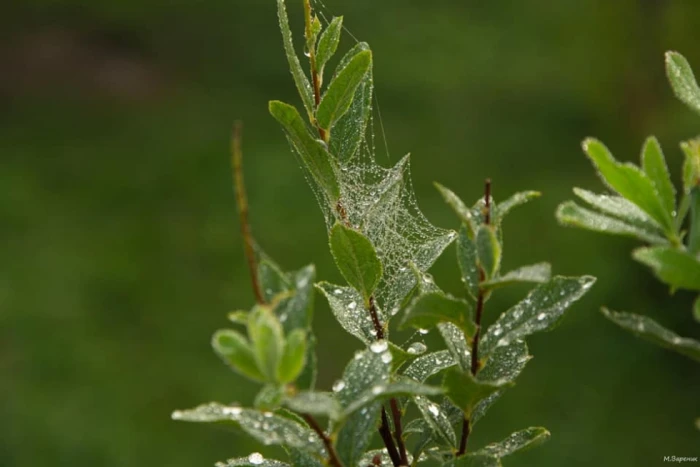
x=385 y=433
x=242 y=201
x=375 y=318
x=398 y=430
x=466 y=428
x=332 y=455
x=315 y=78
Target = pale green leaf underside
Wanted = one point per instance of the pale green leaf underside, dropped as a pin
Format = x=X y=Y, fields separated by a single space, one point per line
x=456 y=344
x=629 y=181
x=537 y=273
x=315 y=403
x=347 y=305
x=650 y=330
x=300 y=79
x=572 y=215
x=312 y=152
x=467 y=260
x=518 y=441
x=438 y=421
x=428 y=365
x=620 y=208
x=682 y=80
x=265 y=427
x=677 y=268
x=541 y=310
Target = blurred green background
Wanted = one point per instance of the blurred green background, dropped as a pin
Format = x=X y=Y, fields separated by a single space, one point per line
x=120 y=251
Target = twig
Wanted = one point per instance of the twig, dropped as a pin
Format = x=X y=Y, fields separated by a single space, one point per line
x=242 y=201
x=315 y=78
x=378 y=328
x=398 y=431
x=332 y=455
x=466 y=427
x=385 y=433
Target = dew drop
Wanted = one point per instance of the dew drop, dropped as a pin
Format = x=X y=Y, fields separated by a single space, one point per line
x=387 y=357
x=256 y=458
x=497 y=331
x=352 y=306
x=337 y=291
x=434 y=409
x=338 y=385
x=423 y=332
x=541 y=316
x=379 y=346
x=233 y=411
x=376 y=390
x=417 y=348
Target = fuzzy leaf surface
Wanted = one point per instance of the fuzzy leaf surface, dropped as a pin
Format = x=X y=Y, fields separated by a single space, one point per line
x=537 y=273
x=654 y=165
x=677 y=268
x=682 y=80
x=648 y=329
x=356 y=258
x=427 y=310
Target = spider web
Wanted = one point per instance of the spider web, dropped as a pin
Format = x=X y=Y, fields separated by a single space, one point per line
x=380 y=202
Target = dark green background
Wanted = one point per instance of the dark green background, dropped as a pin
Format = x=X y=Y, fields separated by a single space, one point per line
x=120 y=251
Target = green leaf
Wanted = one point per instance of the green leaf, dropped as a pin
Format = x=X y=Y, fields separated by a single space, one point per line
x=307 y=378
x=293 y=357
x=267 y=337
x=488 y=250
x=253 y=460
x=648 y=329
x=312 y=152
x=235 y=350
x=572 y=215
x=629 y=181
x=679 y=269
x=458 y=206
x=302 y=82
x=266 y=427
x=518 y=441
x=682 y=80
x=338 y=97
x=691 y=164
x=456 y=344
x=379 y=392
x=296 y=312
x=356 y=258
x=537 y=273
x=299 y=458
x=238 y=317
x=367 y=369
x=328 y=43
x=466 y=392
x=428 y=365
x=269 y=397
x=349 y=130
x=467 y=259
x=505 y=363
x=654 y=164
x=427 y=310
x=438 y=421
x=541 y=310
x=348 y=308
x=315 y=403
x=619 y=207
x=382 y=455
x=400 y=356
x=518 y=199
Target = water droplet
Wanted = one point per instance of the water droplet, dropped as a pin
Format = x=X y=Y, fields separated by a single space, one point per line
x=497 y=331
x=338 y=385
x=423 y=332
x=352 y=306
x=502 y=342
x=256 y=458
x=233 y=411
x=376 y=390
x=387 y=357
x=541 y=316
x=417 y=348
x=379 y=346
x=267 y=414
x=434 y=409
x=337 y=291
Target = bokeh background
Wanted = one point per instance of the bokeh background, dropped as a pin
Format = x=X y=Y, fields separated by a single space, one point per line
x=120 y=252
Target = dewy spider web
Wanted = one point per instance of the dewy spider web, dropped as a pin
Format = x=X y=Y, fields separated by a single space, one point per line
x=378 y=201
